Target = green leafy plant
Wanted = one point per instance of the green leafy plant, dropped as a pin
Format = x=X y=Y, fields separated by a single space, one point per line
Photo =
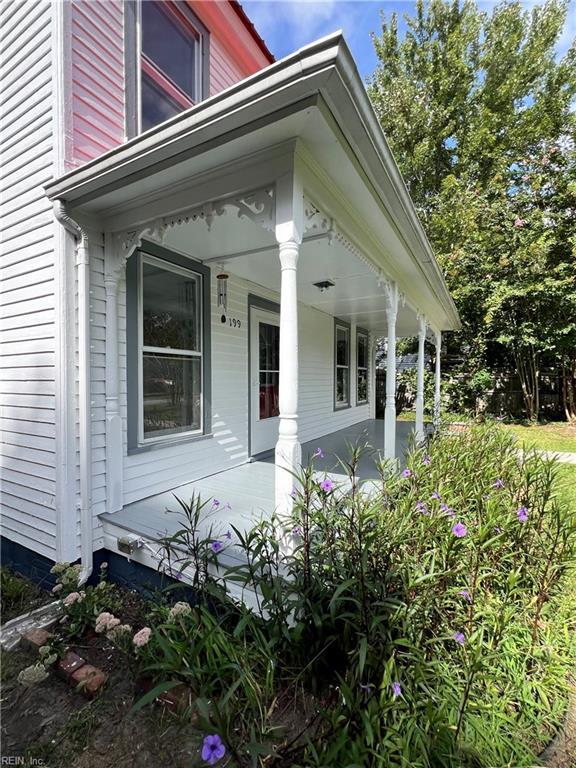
x=417 y=620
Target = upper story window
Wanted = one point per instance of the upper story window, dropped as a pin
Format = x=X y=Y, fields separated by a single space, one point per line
x=173 y=61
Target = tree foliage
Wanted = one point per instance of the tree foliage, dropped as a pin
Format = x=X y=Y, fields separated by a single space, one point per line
x=479 y=112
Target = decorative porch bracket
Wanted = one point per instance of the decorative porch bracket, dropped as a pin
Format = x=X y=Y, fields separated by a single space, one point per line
x=422 y=327
x=392 y=298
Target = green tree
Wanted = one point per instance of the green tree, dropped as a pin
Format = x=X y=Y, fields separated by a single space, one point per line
x=479 y=114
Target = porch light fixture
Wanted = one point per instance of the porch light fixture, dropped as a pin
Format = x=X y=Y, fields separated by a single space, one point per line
x=324 y=285
x=222 y=291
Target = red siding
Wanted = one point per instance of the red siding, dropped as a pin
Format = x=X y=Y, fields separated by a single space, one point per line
x=98 y=103
x=97 y=78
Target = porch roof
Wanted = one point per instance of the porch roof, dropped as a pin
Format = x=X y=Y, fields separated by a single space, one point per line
x=315 y=96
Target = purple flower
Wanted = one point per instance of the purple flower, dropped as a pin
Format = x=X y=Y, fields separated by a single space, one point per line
x=459 y=637
x=327 y=485
x=228 y=535
x=297 y=531
x=522 y=514
x=215 y=503
x=318 y=454
x=216 y=546
x=407 y=472
x=294 y=493
x=466 y=595
x=447 y=511
x=459 y=530
x=422 y=508
x=213 y=749
x=396 y=690
x=426 y=461
x=499 y=484
x=436 y=496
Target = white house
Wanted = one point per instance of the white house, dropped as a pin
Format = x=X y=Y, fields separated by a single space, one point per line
x=181 y=303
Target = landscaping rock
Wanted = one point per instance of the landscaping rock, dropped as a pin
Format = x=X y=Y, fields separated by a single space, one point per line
x=69 y=664
x=35 y=639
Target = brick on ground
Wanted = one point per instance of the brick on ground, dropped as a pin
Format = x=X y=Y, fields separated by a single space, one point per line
x=35 y=639
x=90 y=680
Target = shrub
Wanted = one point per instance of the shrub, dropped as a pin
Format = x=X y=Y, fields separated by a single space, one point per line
x=423 y=613
x=82 y=606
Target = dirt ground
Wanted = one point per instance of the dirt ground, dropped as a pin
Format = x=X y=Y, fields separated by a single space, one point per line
x=52 y=723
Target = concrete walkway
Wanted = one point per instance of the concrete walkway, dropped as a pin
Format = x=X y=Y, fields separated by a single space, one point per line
x=562 y=456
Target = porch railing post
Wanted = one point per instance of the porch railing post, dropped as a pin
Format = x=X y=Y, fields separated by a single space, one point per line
x=288 y=454
x=438 y=340
x=420 y=380
x=390 y=409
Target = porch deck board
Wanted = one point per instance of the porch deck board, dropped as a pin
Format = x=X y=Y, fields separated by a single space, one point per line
x=246 y=492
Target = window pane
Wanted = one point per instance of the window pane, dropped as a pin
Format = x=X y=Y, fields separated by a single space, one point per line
x=269 y=388
x=362 y=352
x=342 y=385
x=172 y=394
x=342 y=353
x=171 y=308
x=362 y=386
x=269 y=351
x=157 y=106
x=169 y=45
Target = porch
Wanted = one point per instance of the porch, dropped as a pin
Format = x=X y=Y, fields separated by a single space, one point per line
x=245 y=493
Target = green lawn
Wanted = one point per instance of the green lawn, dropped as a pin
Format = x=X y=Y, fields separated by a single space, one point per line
x=567 y=484
x=557 y=436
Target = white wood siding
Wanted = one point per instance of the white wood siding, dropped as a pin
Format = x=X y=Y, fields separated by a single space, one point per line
x=27 y=296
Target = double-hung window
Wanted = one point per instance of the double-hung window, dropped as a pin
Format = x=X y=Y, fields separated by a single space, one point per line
x=173 y=64
x=342 y=365
x=361 y=367
x=171 y=350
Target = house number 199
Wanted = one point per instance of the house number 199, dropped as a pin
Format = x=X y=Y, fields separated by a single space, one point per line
x=232 y=321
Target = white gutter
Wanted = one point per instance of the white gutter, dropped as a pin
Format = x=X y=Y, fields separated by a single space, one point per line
x=83 y=287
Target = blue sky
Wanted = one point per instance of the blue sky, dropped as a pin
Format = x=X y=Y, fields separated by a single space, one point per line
x=286 y=26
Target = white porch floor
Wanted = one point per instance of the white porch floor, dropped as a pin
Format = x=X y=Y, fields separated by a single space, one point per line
x=246 y=493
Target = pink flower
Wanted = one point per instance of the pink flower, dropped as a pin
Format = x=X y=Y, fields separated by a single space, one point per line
x=519 y=222
x=56 y=589
x=327 y=485
x=459 y=530
x=545 y=160
x=407 y=472
x=73 y=597
x=141 y=638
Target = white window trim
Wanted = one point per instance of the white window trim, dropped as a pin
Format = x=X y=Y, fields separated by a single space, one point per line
x=361 y=332
x=175 y=436
x=340 y=405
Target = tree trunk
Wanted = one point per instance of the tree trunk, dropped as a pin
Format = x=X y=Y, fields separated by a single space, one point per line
x=528 y=369
x=569 y=387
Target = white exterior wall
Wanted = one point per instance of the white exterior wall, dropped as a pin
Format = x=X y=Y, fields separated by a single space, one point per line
x=163 y=469
x=29 y=283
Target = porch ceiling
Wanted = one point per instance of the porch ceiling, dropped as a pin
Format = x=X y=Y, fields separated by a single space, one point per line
x=247 y=250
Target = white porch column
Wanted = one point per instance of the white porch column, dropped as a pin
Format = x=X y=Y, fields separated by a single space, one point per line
x=114 y=452
x=288 y=454
x=438 y=337
x=420 y=436
x=390 y=407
